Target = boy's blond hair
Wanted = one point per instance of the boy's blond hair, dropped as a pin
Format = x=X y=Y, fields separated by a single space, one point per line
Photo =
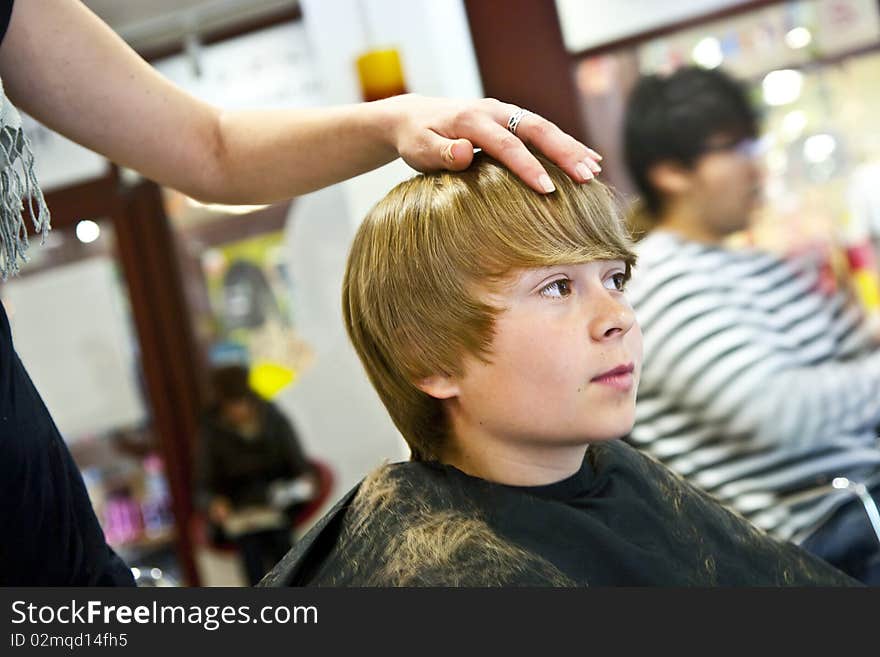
x=421 y=257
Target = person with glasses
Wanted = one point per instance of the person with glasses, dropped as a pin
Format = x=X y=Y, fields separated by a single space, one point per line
x=756 y=386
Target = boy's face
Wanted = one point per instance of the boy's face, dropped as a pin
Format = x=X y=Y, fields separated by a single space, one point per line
x=565 y=360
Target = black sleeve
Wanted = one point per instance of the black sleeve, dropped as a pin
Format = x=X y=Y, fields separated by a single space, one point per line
x=5 y=15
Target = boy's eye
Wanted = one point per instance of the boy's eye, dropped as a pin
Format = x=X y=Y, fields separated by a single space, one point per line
x=617 y=282
x=557 y=289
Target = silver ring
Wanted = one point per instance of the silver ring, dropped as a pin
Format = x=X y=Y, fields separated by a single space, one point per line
x=515 y=118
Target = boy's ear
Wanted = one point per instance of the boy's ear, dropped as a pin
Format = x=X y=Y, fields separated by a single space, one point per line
x=439 y=386
x=670 y=178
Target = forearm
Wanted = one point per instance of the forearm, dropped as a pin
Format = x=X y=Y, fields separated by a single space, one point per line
x=756 y=389
x=270 y=155
x=814 y=404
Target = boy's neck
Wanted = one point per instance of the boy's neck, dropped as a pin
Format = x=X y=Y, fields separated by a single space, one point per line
x=518 y=464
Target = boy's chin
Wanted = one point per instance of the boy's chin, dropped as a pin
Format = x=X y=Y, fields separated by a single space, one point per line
x=605 y=438
x=611 y=431
x=600 y=436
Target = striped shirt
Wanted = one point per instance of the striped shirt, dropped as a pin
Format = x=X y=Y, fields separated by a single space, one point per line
x=755 y=386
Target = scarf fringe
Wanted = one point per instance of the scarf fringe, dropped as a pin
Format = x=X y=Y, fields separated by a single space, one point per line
x=18 y=182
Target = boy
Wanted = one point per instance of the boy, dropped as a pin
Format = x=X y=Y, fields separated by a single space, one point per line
x=495 y=329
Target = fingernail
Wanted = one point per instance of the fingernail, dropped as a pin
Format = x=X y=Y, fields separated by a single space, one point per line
x=546 y=184
x=594 y=167
x=449 y=153
x=595 y=155
x=583 y=171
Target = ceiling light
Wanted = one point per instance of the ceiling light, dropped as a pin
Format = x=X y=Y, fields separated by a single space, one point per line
x=798 y=37
x=87 y=231
x=707 y=53
x=782 y=87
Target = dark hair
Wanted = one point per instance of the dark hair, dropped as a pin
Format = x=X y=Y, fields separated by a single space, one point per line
x=673 y=117
x=230 y=383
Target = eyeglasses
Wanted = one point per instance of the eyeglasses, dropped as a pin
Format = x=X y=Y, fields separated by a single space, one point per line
x=748 y=147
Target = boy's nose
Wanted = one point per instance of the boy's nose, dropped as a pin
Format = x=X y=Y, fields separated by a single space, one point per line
x=612 y=317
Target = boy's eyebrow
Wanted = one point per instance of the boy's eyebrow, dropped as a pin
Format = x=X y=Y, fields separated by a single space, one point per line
x=534 y=275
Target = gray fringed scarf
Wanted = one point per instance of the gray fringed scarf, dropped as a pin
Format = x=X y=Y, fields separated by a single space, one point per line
x=17 y=183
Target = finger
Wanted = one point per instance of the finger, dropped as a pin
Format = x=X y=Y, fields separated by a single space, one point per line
x=509 y=149
x=437 y=152
x=576 y=159
x=573 y=157
x=457 y=154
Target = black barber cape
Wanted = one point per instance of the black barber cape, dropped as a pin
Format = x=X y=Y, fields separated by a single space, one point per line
x=622 y=519
x=49 y=534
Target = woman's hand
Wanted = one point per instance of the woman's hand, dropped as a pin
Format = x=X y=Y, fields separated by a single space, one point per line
x=441 y=133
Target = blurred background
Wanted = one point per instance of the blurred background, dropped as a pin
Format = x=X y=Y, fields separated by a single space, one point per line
x=157 y=289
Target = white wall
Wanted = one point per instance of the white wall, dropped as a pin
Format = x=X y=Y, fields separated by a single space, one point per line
x=339 y=416
x=590 y=23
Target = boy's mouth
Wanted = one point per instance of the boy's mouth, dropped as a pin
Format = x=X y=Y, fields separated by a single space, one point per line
x=620 y=378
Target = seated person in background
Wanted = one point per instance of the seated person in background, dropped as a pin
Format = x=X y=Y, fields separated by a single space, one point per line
x=494 y=326
x=250 y=457
x=756 y=386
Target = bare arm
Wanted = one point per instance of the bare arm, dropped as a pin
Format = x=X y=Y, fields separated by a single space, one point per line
x=64 y=66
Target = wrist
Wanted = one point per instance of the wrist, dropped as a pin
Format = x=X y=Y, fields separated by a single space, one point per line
x=387 y=118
